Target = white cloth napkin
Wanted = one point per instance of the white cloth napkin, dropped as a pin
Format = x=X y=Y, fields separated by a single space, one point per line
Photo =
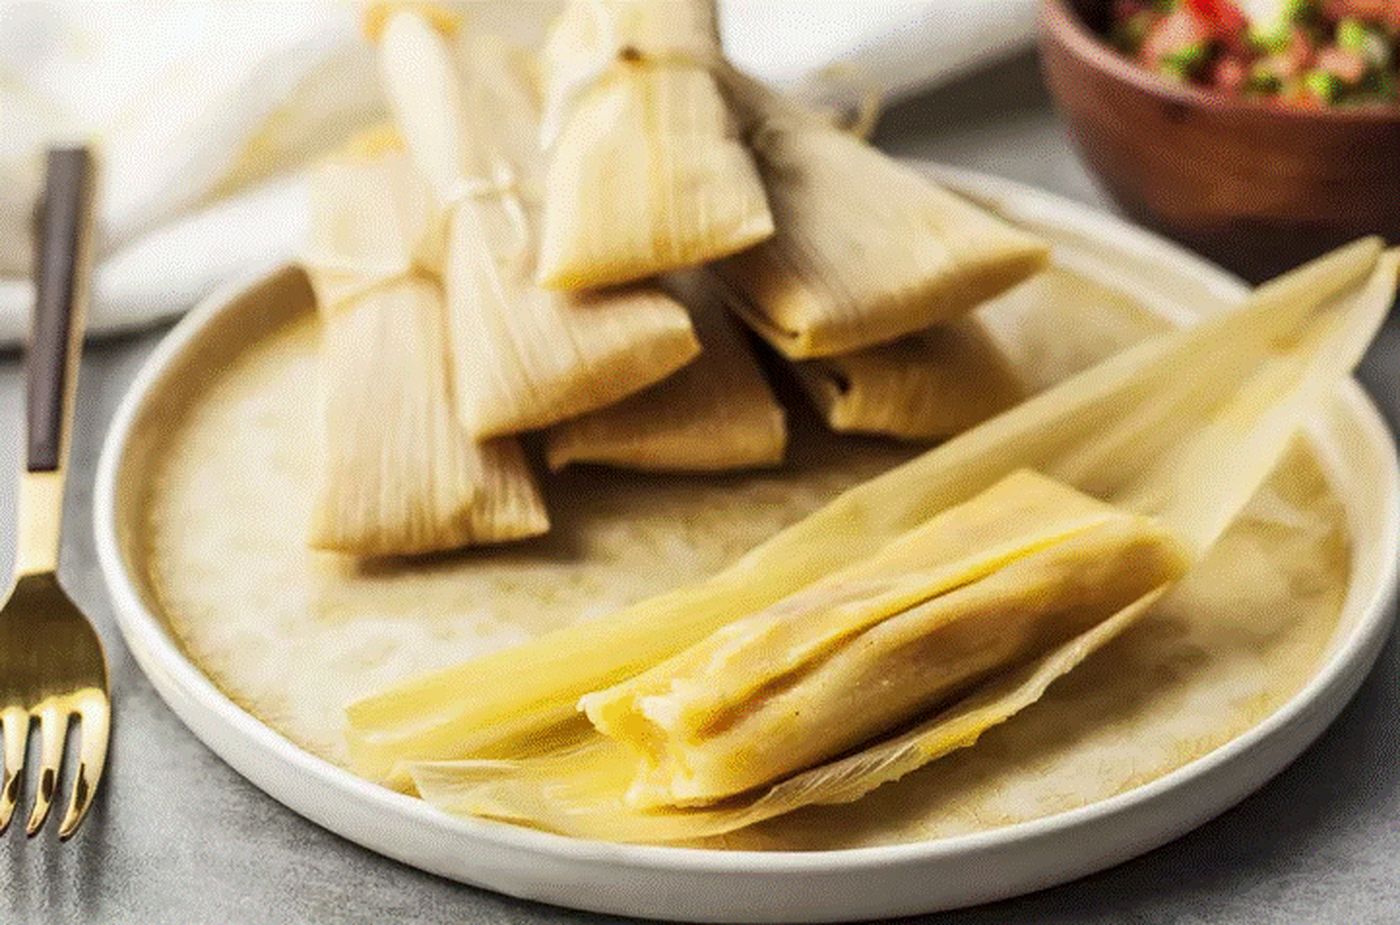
x=204 y=113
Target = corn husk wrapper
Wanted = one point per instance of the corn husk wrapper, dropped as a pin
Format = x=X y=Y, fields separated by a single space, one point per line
x=400 y=475
x=717 y=413
x=866 y=249
x=925 y=386
x=647 y=172
x=1182 y=427
x=524 y=357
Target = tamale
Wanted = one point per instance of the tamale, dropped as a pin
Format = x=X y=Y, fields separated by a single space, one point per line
x=716 y=413
x=579 y=791
x=524 y=357
x=726 y=727
x=924 y=386
x=647 y=172
x=399 y=475
x=872 y=647
x=1144 y=430
x=866 y=248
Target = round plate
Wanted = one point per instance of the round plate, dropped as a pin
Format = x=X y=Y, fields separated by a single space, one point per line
x=1349 y=438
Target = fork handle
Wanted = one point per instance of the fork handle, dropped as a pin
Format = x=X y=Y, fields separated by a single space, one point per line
x=64 y=219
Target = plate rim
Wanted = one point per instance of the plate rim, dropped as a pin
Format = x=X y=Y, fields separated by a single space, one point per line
x=175 y=676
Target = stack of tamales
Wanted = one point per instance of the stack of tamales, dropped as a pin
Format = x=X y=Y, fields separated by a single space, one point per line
x=596 y=234
x=866 y=270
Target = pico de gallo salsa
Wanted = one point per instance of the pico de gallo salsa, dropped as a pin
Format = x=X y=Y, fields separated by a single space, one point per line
x=1308 y=53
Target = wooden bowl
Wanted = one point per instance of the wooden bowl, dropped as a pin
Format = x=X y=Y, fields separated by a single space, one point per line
x=1255 y=186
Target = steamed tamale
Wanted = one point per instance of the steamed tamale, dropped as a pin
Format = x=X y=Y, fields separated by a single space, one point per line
x=866 y=249
x=1133 y=431
x=960 y=606
x=928 y=385
x=986 y=585
x=524 y=357
x=400 y=475
x=578 y=791
x=716 y=413
x=647 y=172
x=1019 y=515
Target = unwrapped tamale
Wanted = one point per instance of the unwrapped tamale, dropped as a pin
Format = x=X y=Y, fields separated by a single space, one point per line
x=818 y=697
x=986 y=585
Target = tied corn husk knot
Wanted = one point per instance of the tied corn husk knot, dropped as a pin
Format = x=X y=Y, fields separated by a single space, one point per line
x=505 y=186
x=524 y=357
x=613 y=50
x=648 y=172
x=399 y=474
x=349 y=254
x=409 y=239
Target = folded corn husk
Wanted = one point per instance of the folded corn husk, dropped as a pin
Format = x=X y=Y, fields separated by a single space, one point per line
x=1182 y=427
x=866 y=248
x=717 y=413
x=399 y=474
x=524 y=357
x=924 y=386
x=646 y=170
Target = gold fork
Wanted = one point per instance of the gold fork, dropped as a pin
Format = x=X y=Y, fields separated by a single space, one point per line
x=52 y=666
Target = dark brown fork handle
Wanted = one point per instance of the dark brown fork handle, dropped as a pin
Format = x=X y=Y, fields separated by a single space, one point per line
x=60 y=284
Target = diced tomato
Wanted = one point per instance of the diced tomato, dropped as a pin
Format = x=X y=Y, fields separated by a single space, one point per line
x=1179 y=30
x=1222 y=17
x=1229 y=74
x=1348 y=66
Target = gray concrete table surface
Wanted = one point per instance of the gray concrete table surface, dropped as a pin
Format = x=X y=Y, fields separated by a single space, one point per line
x=178 y=837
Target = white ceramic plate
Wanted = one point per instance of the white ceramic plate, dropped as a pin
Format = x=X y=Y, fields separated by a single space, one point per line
x=1349 y=438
